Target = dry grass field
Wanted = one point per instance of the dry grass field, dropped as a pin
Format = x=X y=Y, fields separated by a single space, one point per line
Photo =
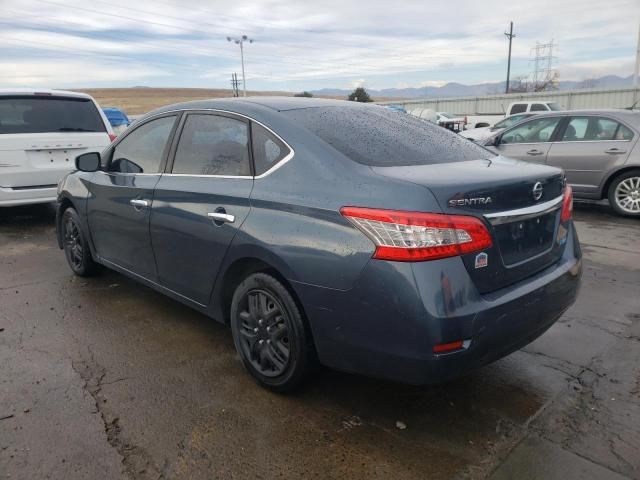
x=136 y=101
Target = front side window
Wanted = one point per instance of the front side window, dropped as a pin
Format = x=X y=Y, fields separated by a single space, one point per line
x=533 y=131
x=595 y=129
x=142 y=150
x=213 y=145
x=518 y=108
x=538 y=107
x=267 y=148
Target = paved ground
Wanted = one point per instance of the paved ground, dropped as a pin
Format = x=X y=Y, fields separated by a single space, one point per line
x=105 y=379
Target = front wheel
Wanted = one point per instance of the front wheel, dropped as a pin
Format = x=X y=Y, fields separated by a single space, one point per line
x=624 y=194
x=270 y=334
x=76 y=247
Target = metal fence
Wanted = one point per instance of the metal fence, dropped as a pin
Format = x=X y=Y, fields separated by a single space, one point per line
x=497 y=104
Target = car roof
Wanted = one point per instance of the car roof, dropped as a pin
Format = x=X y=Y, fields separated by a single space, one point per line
x=241 y=104
x=632 y=116
x=39 y=91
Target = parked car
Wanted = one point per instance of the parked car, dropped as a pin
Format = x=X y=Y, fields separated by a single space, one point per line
x=117 y=118
x=397 y=108
x=41 y=133
x=596 y=148
x=481 y=134
x=374 y=242
x=523 y=107
x=451 y=121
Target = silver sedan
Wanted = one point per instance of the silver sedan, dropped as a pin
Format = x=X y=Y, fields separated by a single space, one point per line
x=598 y=150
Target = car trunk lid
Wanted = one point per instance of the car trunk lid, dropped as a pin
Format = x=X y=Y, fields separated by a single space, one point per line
x=524 y=224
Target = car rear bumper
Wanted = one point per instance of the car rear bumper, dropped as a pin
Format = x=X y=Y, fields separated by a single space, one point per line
x=387 y=325
x=10 y=197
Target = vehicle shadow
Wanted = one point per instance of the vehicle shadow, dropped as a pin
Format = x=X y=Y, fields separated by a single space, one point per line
x=42 y=214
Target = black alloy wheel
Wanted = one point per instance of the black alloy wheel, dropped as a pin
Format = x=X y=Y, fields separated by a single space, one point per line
x=270 y=333
x=76 y=248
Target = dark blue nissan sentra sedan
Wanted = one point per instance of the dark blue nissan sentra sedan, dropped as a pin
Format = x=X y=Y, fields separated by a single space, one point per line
x=349 y=234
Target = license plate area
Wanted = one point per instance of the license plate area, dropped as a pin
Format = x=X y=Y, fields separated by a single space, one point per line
x=521 y=240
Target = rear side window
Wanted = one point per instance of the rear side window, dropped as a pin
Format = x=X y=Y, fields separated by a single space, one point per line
x=44 y=114
x=518 y=108
x=142 y=150
x=380 y=137
x=538 y=107
x=594 y=129
x=267 y=148
x=213 y=145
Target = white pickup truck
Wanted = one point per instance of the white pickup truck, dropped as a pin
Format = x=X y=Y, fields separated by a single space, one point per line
x=41 y=133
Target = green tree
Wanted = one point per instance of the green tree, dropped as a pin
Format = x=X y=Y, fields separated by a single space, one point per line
x=304 y=94
x=359 y=95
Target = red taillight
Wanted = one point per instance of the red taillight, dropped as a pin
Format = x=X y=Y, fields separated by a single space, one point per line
x=112 y=137
x=466 y=120
x=415 y=236
x=567 y=204
x=448 y=347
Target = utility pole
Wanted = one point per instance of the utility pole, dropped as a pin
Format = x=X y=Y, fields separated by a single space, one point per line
x=510 y=36
x=234 y=84
x=240 y=41
x=637 y=69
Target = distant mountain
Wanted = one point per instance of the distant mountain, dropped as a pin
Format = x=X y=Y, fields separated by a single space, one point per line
x=459 y=90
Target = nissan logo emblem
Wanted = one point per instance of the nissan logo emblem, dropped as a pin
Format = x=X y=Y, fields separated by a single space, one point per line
x=537 y=191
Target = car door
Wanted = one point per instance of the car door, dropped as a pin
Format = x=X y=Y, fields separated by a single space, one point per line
x=121 y=196
x=529 y=140
x=200 y=202
x=588 y=147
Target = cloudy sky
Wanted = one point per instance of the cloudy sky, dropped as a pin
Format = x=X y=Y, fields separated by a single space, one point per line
x=305 y=45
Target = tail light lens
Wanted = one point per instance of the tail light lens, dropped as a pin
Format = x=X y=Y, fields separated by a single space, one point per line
x=567 y=204
x=413 y=236
x=112 y=137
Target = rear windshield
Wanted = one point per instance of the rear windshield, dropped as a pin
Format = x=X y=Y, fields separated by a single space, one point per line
x=381 y=137
x=29 y=114
x=553 y=106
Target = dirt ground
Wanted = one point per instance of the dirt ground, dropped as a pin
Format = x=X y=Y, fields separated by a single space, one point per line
x=103 y=378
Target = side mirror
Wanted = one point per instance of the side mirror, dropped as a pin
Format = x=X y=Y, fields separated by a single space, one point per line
x=88 y=162
x=493 y=141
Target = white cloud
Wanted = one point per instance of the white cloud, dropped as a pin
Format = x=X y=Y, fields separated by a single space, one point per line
x=315 y=43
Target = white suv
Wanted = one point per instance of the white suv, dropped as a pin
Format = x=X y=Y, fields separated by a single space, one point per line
x=41 y=133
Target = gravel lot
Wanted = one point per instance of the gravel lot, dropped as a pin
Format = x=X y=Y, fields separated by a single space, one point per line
x=105 y=379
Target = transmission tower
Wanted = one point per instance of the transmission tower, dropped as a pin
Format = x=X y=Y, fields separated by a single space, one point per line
x=542 y=58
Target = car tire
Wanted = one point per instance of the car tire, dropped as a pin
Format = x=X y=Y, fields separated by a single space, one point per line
x=76 y=246
x=270 y=333
x=624 y=194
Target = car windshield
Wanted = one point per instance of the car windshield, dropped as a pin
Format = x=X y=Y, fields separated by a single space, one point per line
x=507 y=122
x=553 y=106
x=447 y=115
x=40 y=114
x=380 y=137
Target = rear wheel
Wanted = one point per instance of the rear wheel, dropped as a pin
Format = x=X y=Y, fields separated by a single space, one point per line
x=270 y=334
x=624 y=194
x=76 y=247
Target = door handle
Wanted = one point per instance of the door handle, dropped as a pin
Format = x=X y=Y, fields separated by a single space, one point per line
x=221 y=217
x=534 y=152
x=614 y=151
x=137 y=203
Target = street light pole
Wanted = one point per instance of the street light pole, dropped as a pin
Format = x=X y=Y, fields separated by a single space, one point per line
x=240 y=41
